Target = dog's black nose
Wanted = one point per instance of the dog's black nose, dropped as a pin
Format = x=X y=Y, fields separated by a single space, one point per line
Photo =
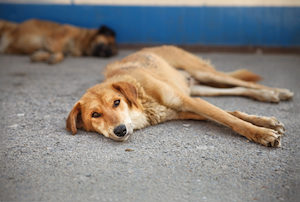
x=120 y=130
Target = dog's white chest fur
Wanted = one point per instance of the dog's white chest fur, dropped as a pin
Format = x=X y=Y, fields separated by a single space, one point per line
x=138 y=119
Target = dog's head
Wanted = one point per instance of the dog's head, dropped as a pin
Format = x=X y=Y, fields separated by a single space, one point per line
x=106 y=109
x=103 y=43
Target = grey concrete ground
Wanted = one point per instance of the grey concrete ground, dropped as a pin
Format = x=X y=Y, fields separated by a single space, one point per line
x=175 y=161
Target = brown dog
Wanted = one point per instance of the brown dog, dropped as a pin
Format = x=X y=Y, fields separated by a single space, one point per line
x=155 y=85
x=49 y=42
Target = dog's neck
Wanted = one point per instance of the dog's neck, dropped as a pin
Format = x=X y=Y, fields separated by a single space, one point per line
x=85 y=37
x=150 y=111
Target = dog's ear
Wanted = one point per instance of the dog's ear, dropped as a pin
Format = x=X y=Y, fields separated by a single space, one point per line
x=74 y=119
x=104 y=30
x=128 y=90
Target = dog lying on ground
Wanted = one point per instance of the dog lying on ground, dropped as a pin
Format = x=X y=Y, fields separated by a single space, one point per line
x=155 y=85
x=49 y=42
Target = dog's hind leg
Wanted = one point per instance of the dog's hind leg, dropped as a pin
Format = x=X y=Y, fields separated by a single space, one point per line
x=181 y=59
x=222 y=78
x=262 y=135
x=264 y=95
x=245 y=75
x=204 y=72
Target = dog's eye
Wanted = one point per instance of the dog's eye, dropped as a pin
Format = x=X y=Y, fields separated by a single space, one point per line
x=96 y=115
x=116 y=103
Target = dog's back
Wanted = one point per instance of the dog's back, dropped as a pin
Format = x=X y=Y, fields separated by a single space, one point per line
x=29 y=36
x=6 y=25
x=146 y=66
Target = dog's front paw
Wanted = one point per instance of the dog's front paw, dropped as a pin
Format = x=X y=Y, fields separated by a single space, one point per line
x=276 y=125
x=268 y=137
x=269 y=122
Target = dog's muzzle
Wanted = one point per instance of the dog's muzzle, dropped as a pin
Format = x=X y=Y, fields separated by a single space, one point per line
x=102 y=50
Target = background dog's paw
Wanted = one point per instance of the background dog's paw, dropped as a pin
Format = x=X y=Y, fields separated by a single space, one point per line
x=52 y=60
x=55 y=58
x=39 y=56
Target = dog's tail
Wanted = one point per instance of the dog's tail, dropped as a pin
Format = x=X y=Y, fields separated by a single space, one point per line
x=245 y=75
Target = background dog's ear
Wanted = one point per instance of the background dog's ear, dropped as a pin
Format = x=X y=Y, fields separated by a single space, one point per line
x=104 y=30
x=128 y=90
x=74 y=120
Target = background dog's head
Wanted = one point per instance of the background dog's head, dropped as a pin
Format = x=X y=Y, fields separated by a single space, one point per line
x=103 y=44
x=106 y=109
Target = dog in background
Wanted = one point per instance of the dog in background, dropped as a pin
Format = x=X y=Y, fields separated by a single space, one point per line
x=49 y=42
x=156 y=85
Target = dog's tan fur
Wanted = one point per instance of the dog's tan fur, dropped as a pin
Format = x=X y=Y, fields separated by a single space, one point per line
x=49 y=42
x=155 y=85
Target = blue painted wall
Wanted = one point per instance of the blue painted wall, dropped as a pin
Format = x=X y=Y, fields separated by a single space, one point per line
x=234 y=26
